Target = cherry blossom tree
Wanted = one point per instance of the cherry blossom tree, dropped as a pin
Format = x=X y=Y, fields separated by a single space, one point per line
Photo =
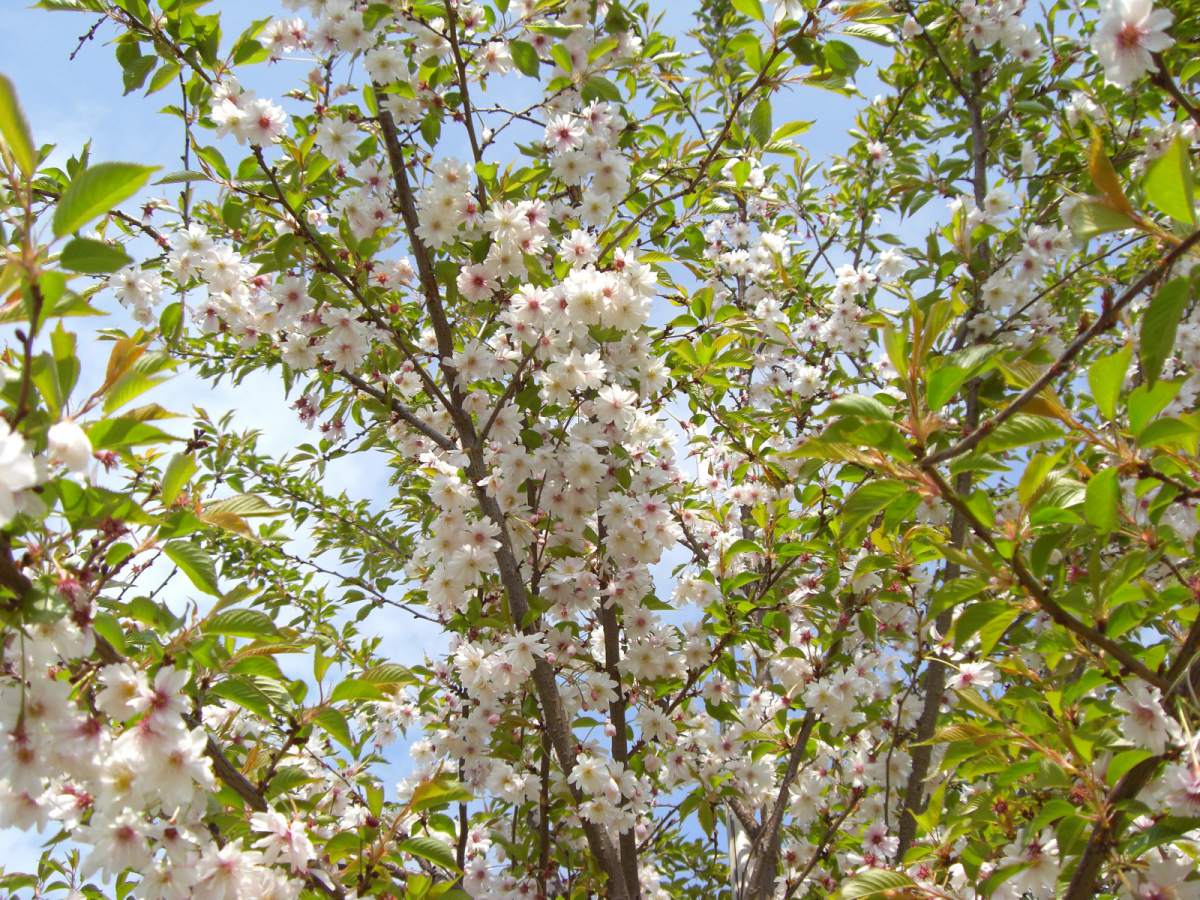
x=794 y=527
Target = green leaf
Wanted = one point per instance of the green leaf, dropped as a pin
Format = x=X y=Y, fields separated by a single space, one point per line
x=84 y=507
x=182 y=177
x=949 y=373
x=1000 y=875
x=871 y=31
x=1100 y=504
x=59 y=302
x=96 y=6
x=760 y=122
x=841 y=58
x=1170 y=430
x=124 y=432
x=1105 y=177
x=1091 y=216
x=288 y=778
x=170 y=323
x=135 y=71
x=244 y=693
x=213 y=157
x=164 y=76
x=388 y=673
x=1019 y=431
x=1061 y=492
x=955 y=592
x=1123 y=762
x=741 y=545
x=15 y=130
x=875 y=883
x=250 y=52
x=600 y=48
x=942 y=383
x=1147 y=401
x=598 y=88
x=95 y=191
x=130 y=385
x=560 y=55
x=895 y=343
x=66 y=359
x=1106 y=376
x=1169 y=183
x=437 y=852
x=790 y=129
x=243 y=505
x=751 y=8
x=93 y=257
x=1159 y=325
x=181 y=467
x=336 y=725
x=870 y=499
x=355 y=689
x=552 y=29
x=46 y=376
x=125 y=352
x=261 y=666
x=1053 y=810
x=1034 y=476
x=859 y=407
x=1167 y=830
x=109 y=627
x=249 y=623
x=524 y=57
x=439 y=791
x=416 y=887
x=344 y=843
x=988 y=619
x=195 y=563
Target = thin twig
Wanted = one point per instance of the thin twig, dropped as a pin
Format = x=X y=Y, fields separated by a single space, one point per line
x=1106 y=320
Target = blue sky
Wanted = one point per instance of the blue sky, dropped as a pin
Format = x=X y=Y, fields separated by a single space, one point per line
x=71 y=102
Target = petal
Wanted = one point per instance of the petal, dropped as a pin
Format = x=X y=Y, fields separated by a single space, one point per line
x=1156 y=42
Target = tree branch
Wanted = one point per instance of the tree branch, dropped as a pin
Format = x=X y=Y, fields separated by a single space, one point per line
x=1045 y=602
x=405 y=414
x=1106 y=320
x=770 y=837
x=620 y=739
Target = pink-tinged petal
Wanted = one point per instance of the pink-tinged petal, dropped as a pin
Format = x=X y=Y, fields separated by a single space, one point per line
x=1160 y=20
x=1136 y=10
x=1156 y=43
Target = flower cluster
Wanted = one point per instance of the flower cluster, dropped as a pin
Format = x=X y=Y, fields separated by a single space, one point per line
x=129 y=779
